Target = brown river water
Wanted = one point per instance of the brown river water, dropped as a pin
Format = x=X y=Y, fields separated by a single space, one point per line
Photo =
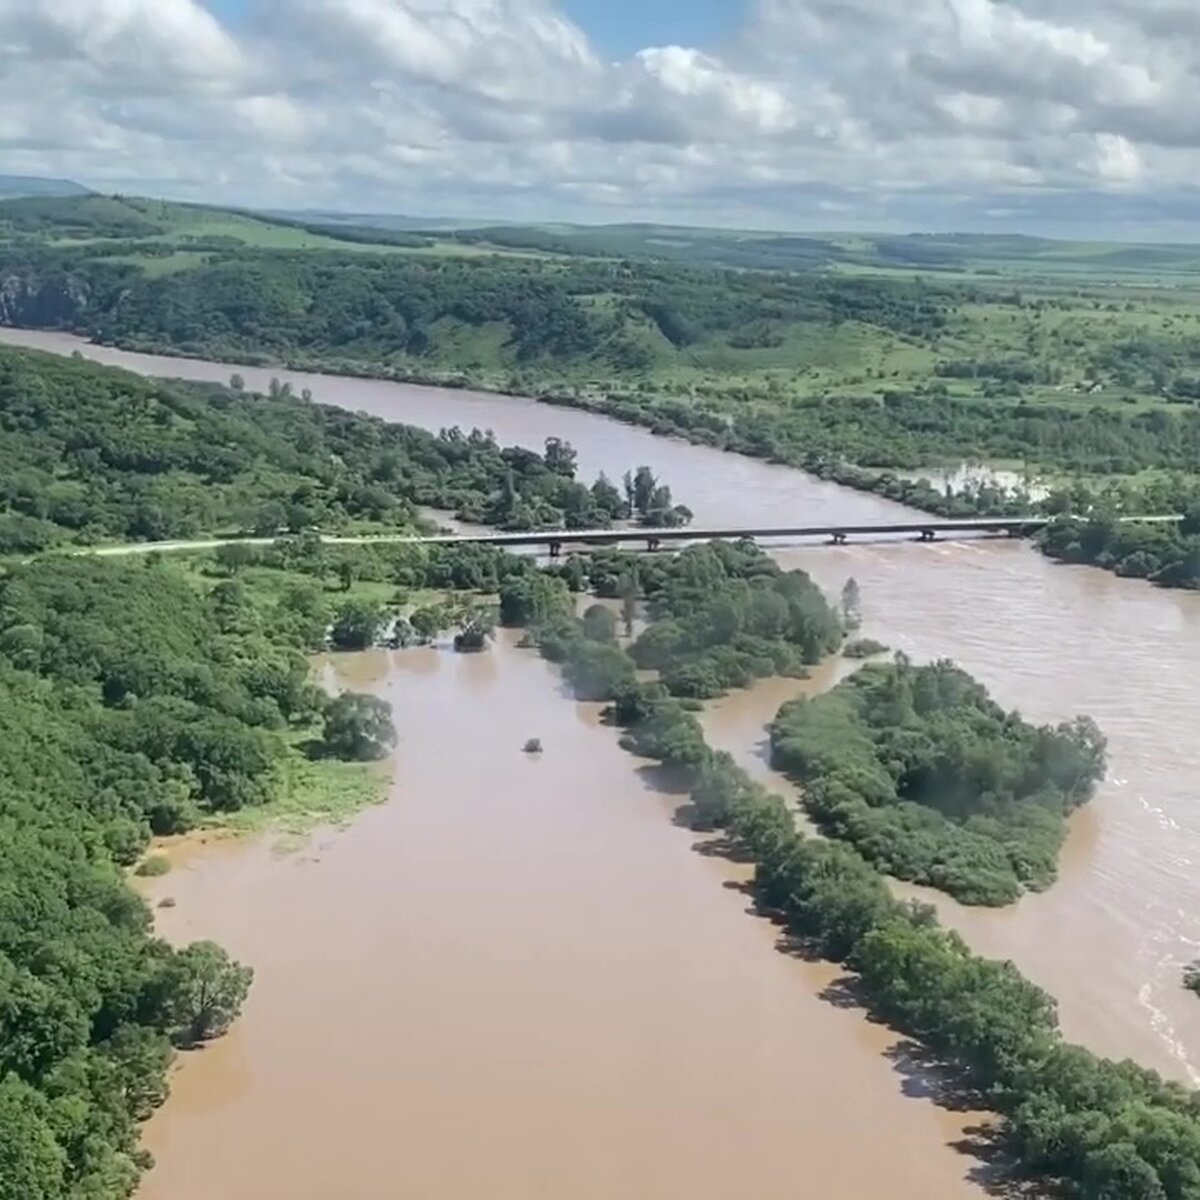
x=518 y=976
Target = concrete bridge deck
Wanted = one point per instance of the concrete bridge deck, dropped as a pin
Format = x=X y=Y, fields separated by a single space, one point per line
x=926 y=529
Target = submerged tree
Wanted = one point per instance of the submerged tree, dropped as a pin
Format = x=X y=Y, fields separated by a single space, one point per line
x=851 y=605
x=358 y=728
x=205 y=991
x=356 y=625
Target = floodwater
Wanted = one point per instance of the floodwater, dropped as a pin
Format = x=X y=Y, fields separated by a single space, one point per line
x=1108 y=940
x=518 y=980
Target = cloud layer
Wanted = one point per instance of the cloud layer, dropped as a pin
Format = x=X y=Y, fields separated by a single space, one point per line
x=1066 y=114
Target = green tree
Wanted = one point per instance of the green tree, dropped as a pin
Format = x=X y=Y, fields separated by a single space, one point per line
x=32 y=1164
x=851 y=605
x=608 y=499
x=356 y=625
x=599 y=624
x=358 y=728
x=561 y=457
x=233 y=557
x=427 y=622
x=641 y=491
x=204 y=990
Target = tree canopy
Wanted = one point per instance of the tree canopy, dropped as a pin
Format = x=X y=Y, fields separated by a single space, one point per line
x=932 y=781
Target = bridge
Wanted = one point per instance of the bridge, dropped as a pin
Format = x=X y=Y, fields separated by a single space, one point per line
x=924 y=529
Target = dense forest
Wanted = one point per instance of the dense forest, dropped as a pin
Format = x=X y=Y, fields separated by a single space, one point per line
x=1166 y=554
x=91 y=454
x=931 y=781
x=723 y=615
x=129 y=705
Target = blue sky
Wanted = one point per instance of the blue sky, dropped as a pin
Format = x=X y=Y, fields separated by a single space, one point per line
x=620 y=27
x=616 y=27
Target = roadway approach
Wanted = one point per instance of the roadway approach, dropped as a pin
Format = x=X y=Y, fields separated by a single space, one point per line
x=925 y=529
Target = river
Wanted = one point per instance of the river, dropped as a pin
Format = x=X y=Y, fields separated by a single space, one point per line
x=1108 y=940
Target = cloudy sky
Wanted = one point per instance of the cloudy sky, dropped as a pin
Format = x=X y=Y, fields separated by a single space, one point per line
x=1064 y=116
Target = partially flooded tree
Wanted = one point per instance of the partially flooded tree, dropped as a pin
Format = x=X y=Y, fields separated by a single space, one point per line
x=205 y=991
x=358 y=728
x=851 y=605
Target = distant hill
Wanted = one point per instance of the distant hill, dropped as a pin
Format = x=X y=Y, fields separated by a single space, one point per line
x=395 y=222
x=13 y=186
x=167 y=225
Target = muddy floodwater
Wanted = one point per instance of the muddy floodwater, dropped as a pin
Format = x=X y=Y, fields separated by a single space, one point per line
x=517 y=979
x=1108 y=940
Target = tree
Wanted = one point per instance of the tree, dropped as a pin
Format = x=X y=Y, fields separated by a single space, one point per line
x=232 y=557
x=599 y=624
x=532 y=599
x=474 y=632
x=561 y=457
x=204 y=992
x=641 y=490
x=358 y=728
x=628 y=590
x=596 y=671
x=356 y=625
x=346 y=574
x=428 y=622
x=606 y=498
x=851 y=605
x=270 y=518
x=32 y=1164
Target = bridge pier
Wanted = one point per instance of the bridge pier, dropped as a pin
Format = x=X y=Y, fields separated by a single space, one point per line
x=555 y=549
x=928 y=535
x=837 y=538
x=652 y=543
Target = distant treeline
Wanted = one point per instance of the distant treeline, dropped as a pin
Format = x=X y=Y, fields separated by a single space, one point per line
x=388 y=309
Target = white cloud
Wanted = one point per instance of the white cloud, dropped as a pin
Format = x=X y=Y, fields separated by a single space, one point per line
x=927 y=112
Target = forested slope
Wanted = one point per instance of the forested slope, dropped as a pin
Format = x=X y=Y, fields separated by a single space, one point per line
x=127 y=707
x=90 y=454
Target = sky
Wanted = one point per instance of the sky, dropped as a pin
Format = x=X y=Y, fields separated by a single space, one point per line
x=1067 y=117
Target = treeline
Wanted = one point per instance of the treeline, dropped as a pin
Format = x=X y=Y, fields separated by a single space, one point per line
x=1091 y=1127
x=931 y=781
x=1167 y=554
x=391 y=309
x=909 y=430
x=90 y=453
x=1088 y=530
